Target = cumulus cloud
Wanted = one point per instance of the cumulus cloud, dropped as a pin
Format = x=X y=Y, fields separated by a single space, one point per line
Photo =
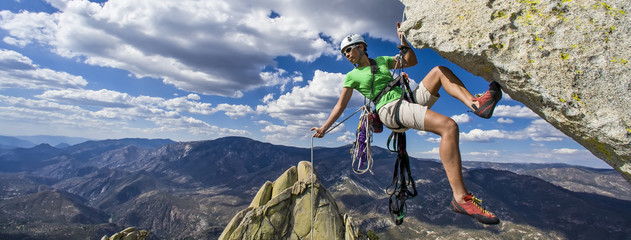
x=568 y=151
x=18 y=71
x=268 y=98
x=462 y=118
x=433 y=153
x=347 y=137
x=235 y=111
x=110 y=112
x=422 y=133
x=505 y=120
x=308 y=106
x=479 y=135
x=538 y=130
x=280 y=77
x=514 y=111
x=208 y=47
x=114 y=101
x=101 y=98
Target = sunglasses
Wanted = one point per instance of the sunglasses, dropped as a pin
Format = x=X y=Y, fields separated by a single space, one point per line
x=349 y=49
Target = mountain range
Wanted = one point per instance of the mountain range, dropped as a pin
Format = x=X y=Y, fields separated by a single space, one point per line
x=191 y=190
x=10 y=142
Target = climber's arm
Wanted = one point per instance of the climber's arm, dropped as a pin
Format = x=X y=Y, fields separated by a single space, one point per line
x=409 y=57
x=345 y=97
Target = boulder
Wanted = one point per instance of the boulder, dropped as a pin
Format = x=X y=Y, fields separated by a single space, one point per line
x=129 y=233
x=566 y=60
x=284 y=209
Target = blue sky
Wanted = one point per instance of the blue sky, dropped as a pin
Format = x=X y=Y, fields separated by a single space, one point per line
x=198 y=70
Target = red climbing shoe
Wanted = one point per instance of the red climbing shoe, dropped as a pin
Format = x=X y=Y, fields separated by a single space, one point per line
x=488 y=101
x=472 y=208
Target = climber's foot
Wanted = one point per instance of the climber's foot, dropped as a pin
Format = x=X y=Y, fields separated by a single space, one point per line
x=472 y=207
x=487 y=101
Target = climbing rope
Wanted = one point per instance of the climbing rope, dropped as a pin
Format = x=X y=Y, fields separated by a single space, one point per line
x=339 y=123
x=361 y=146
x=312 y=187
x=313 y=166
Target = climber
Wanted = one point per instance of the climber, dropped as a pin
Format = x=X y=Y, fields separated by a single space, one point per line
x=417 y=115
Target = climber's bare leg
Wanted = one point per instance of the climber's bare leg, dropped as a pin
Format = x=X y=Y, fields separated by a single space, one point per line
x=449 y=150
x=443 y=77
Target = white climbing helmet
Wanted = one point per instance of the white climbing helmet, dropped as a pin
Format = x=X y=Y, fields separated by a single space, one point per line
x=351 y=39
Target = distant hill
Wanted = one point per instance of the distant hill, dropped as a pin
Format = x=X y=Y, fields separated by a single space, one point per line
x=191 y=190
x=10 y=142
x=53 y=140
x=13 y=142
x=606 y=182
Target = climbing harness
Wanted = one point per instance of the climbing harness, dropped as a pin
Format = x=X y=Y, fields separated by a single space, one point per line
x=403 y=185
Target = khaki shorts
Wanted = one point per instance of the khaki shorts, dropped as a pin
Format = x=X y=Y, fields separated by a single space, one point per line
x=411 y=115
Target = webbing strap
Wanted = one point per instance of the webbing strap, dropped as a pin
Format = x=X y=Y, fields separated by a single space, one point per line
x=401 y=179
x=373 y=70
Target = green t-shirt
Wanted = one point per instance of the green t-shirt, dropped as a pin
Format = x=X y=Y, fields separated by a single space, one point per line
x=360 y=80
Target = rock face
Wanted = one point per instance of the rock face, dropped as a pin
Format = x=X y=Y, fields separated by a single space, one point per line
x=282 y=210
x=566 y=60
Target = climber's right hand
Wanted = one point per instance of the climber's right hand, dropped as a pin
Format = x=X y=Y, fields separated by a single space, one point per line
x=319 y=132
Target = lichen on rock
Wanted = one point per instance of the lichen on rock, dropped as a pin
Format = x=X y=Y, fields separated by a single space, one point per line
x=284 y=210
x=566 y=60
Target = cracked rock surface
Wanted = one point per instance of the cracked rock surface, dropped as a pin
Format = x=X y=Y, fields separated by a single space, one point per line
x=566 y=60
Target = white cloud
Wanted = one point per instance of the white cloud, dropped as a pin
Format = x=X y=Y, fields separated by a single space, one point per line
x=539 y=130
x=209 y=47
x=462 y=118
x=27 y=27
x=568 y=151
x=108 y=113
x=347 y=137
x=488 y=153
x=434 y=139
x=479 y=135
x=235 y=111
x=505 y=120
x=268 y=98
x=514 y=111
x=18 y=71
x=193 y=97
x=422 y=133
x=284 y=134
x=433 y=153
x=309 y=106
x=280 y=77
x=100 y=98
x=114 y=101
